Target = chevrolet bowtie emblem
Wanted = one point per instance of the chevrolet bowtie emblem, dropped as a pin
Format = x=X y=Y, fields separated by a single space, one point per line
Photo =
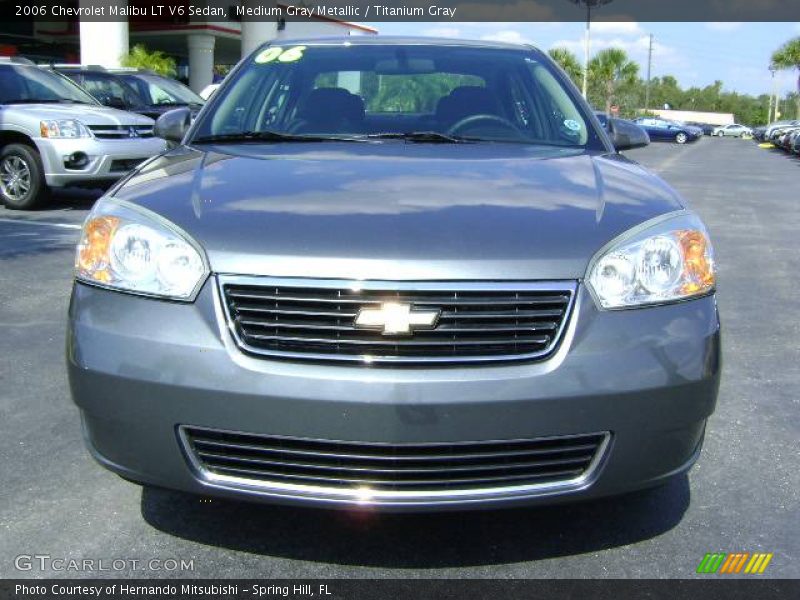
x=395 y=318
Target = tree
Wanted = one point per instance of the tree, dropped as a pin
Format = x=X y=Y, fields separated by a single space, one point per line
x=156 y=61
x=569 y=62
x=788 y=57
x=610 y=71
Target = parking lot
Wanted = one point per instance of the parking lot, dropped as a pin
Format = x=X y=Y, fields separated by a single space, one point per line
x=742 y=496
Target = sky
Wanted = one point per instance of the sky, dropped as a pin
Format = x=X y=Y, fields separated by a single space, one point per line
x=697 y=54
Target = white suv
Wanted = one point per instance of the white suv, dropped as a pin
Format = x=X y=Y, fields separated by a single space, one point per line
x=53 y=134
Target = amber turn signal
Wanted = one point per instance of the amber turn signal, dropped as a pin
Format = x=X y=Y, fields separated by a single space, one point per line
x=93 y=254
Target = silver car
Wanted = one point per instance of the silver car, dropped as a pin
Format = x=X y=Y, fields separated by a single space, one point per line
x=733 y=130
x=53 y=134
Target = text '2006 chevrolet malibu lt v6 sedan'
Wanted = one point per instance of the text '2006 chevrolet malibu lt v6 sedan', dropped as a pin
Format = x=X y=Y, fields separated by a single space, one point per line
x=394 y=273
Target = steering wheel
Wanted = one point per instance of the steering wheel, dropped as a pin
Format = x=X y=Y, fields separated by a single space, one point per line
x=468 y=122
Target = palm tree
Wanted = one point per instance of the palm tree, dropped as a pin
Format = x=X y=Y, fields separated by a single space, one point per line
x=141 y=58
x=788 y=57
x=569 y=62
x=610 y=70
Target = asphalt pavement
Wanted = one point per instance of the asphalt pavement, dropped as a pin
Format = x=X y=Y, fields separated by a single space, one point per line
x=742 y=496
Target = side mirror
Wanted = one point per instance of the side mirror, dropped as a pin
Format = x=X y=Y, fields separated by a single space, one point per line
x=173 y=125
x=626 y=135
x=115 y=102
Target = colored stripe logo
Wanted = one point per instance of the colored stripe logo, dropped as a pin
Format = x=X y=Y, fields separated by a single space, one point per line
x=736 y=562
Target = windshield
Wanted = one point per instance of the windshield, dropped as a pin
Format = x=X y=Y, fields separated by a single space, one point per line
x=160 y=90
x=108 y=87
x=373 y=91
x=32 y=84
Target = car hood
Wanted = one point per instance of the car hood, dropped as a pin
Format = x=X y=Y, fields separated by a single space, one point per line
x=399 y=211
x=88 y=114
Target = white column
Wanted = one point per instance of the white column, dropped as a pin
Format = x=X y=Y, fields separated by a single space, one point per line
x=255 y=33
x=201 y=60
x=104 y=43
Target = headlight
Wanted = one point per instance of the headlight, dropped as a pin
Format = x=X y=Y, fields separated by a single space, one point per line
x=131 y=249
x=67 y=128
x=663 y=260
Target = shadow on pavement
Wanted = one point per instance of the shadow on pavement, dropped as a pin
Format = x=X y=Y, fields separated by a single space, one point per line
x=73 y=199
x=435 y=540
x=60 y=200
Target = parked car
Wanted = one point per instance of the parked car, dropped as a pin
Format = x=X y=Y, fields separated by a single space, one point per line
x=668 y=131
x=160 y=91
x=733 y=130
x=795 y=147
x=454 y=295
x=706 y=128
x=771 y=130
x=54 y=134
x=117 y=90
x=759 y=132
x=787 y=139
x=778 y=135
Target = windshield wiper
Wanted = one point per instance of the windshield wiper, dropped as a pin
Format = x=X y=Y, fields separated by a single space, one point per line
x=268 y=136
x=421 y=137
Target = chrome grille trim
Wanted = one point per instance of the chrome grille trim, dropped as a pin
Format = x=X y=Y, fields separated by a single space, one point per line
x=120 y=132
x=507 y=488
x=548 y=329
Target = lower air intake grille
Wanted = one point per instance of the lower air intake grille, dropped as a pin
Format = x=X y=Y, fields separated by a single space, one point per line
x=271 y=461
x=472 y=322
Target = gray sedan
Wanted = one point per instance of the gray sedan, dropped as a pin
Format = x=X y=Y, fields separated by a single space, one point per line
x=734 y=130
x=395 y=274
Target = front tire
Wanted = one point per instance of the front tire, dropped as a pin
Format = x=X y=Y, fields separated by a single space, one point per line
x=681 y=138
x=22 y=183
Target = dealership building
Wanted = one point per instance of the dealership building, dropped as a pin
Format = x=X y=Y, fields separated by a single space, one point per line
x=196 y=41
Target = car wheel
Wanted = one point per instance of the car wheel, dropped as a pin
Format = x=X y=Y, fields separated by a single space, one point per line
x=22 y=184
x=720 y=134
x=681 y=138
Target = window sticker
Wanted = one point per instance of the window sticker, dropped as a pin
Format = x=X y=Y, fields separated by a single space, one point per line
x=572 y=125
x=284 y=55
x=292 y=54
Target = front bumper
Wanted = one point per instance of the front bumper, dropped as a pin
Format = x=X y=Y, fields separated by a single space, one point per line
x=108 y=160
x=140 y=369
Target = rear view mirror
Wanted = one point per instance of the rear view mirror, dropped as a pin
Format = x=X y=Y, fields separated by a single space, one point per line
x=408 y=66
x=626 y=135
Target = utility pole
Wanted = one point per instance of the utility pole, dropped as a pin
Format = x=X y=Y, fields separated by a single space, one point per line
x=587 y=41
x=773 y=116
x=649 y=70
x=586 y=45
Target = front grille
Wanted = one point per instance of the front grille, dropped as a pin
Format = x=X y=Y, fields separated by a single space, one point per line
x=377 y=468
x=125 y=164
x=121 y=132
x=315 y=319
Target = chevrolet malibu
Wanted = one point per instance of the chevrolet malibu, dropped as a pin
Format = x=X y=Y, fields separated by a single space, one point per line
x=399 y=274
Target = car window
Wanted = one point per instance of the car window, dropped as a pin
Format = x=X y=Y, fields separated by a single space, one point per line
x=386 y=93
x=104 y=88
x=32 y=84
x=160 y=90
x=480 y=93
